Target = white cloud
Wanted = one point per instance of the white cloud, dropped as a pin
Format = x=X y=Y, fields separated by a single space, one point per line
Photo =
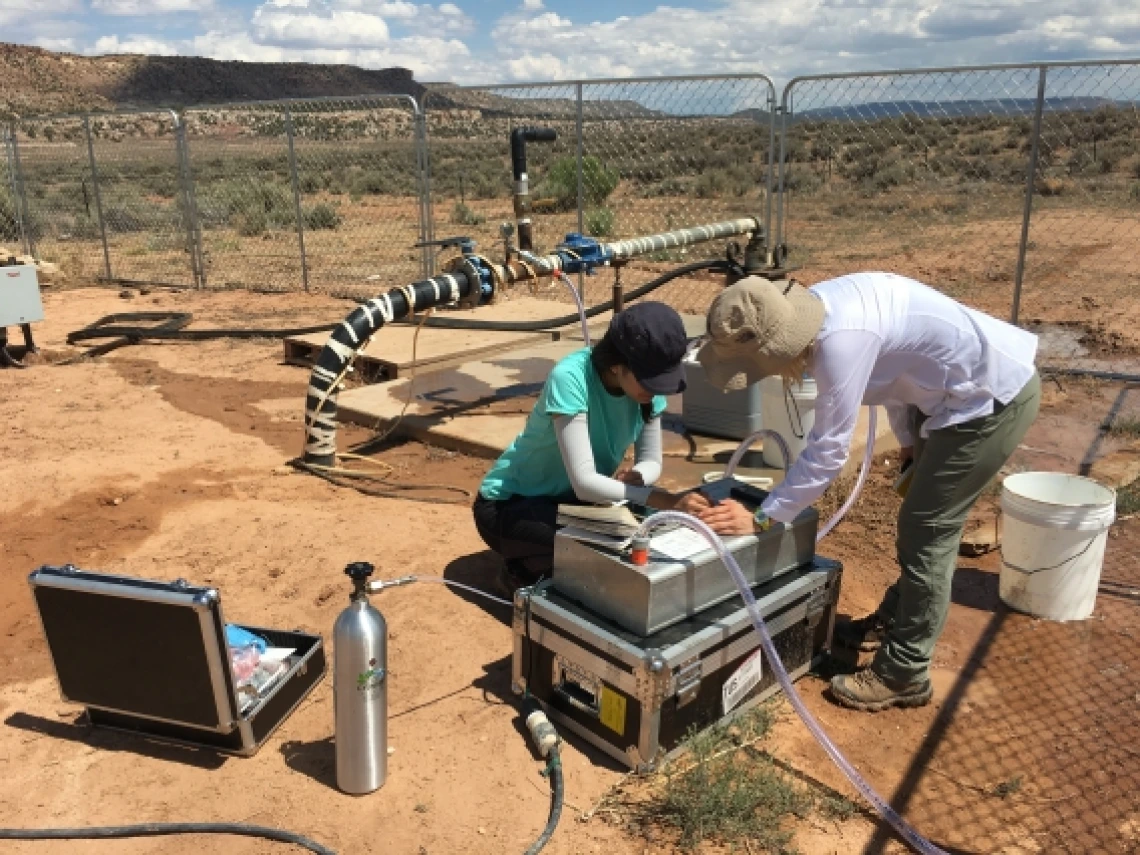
x=149 y=7
x=337 y=29
x=65 y=45
x=539 y=41
x=132 y=44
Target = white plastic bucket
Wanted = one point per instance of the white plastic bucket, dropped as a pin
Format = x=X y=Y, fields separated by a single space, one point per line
x=1056 y=528
x=791 y=417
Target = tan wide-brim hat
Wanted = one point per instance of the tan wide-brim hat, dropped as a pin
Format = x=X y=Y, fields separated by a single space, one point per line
x=757 y=328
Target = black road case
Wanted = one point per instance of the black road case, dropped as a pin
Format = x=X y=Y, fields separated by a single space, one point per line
x=151 y=657
x=636 y=698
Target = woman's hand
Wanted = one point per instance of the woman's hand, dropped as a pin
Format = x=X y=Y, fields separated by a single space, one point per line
x=693 y=504
x=630 y=476
x=728 y=518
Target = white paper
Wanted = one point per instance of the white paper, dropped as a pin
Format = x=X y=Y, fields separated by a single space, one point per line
x=606 y=541
x=277 y=654
x=742 y=681
x=679 y=544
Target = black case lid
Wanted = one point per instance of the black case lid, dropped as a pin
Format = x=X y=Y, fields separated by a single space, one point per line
x=148 y=648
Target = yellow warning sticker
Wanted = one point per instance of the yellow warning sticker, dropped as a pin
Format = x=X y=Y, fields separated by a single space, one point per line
x=613 y=711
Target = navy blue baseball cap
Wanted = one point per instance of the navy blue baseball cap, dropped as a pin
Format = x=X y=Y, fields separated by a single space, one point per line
x=651 y=337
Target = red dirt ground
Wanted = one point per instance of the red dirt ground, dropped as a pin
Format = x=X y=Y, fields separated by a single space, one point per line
x=167 y=461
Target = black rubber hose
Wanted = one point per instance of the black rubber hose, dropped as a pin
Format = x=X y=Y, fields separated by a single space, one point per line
x=557 y=792
x=158 y=829
x=593 y=311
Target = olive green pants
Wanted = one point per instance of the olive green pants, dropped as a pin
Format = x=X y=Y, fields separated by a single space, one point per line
x=952 y=468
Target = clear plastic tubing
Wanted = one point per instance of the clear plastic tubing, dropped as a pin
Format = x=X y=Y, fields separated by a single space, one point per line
x=568 y=282
x=439 y=580
x=868 y=452
x=916 y=840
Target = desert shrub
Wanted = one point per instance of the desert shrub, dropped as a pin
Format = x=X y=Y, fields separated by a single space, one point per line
x=978 y=146
x=462 y=215
x=252 y=223
x=122 y=220
x=599 y=222
x=561 y=182
x=322 y=216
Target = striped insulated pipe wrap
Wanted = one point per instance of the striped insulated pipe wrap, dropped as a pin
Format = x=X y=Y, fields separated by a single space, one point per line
x=333 y=361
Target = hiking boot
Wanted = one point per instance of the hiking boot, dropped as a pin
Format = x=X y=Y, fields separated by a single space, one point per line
x=866 y=634
x=868 y=692
x=508 y=581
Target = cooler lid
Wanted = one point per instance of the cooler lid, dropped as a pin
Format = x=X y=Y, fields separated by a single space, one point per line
x=138 y=646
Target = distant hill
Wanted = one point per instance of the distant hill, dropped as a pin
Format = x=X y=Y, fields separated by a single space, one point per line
x=36 y=81
x=954 y=109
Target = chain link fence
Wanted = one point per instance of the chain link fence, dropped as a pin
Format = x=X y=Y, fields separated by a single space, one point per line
x=321 y=194
x=922 y=173
x=1014 y=189
x=632 y=157
x=1081 y=286
x=57 y=197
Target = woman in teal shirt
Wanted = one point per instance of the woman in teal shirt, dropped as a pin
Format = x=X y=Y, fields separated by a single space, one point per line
x=595 y=404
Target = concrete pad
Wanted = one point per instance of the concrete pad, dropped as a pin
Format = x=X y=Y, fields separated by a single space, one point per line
x=479 y=407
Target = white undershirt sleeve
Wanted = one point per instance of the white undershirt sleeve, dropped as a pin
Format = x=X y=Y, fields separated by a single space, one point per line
x=573 y=434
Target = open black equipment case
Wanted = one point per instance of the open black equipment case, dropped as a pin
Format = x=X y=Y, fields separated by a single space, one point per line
x=151 y=657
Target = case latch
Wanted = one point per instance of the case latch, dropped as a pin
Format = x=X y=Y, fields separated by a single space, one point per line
x=817 y=605
x=688 y=680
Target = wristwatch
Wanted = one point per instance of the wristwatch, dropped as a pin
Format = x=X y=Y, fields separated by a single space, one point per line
x=761 y=521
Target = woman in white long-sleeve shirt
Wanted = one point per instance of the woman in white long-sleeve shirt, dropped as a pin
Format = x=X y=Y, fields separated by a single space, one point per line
x=960 y=389
x=595 y=404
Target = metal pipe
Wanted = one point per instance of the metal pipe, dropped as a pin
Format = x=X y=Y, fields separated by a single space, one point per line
x=333 y=362
x=769 y=249
x=1030 y=181
x=98 y=196
x=519 y=138
x=681 y=237
x=189 y=204
x=578 y=136
x=778 y=238
x=296 y=197
x=9 y=142
x=29 y=228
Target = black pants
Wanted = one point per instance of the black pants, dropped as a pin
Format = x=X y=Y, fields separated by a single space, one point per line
x=521 y=529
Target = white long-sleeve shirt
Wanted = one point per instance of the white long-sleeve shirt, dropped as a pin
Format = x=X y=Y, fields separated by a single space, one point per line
x=893 y=341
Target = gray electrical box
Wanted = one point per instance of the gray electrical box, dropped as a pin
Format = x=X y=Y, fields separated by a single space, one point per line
x=709 y=411
x=20 y=296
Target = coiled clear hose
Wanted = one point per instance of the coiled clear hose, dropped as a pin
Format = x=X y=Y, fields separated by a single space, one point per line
x=916 y=840
x=868 y=453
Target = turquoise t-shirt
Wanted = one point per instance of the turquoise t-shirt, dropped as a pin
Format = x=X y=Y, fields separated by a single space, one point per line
x=532 y=465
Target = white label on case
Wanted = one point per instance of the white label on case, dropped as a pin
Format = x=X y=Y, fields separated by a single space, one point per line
x=742 y=681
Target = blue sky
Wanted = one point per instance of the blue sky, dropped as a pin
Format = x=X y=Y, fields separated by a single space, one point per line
x=518 y=40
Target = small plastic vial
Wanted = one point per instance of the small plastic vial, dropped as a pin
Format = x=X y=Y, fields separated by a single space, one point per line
x=639 y=551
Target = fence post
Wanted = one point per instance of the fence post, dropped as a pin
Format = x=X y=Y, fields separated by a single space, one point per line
x=296 y=196
x=778 y=246
x=29 y=229
x=189 y=203
x=98 y=195
x=1030 y=183
x=9 y=144
x=423 y=159
x=770 y=245
x=578 y=132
